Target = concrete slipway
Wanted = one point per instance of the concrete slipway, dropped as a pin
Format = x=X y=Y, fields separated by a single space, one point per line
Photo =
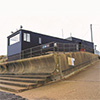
x=21 y=75
x=85 y=85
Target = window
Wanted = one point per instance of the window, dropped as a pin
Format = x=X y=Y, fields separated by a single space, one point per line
x=27 y=37
x=15 y=39
x=40 y=42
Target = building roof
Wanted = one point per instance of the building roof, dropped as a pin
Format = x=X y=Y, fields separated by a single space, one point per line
x=68 y=39
x=13 y=34
x=71 y=39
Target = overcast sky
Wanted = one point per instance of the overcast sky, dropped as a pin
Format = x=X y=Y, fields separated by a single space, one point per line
x=50 y=17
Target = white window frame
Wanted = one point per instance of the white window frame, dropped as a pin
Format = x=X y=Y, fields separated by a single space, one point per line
x=40 y=40
x=26 y=37
x=15 y=39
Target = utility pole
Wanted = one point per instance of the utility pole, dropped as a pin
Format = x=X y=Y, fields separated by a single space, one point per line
x=62 y=33
x=70 y=34
x=91 y=32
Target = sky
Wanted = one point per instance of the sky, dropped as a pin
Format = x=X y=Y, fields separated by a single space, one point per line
x=50 y=17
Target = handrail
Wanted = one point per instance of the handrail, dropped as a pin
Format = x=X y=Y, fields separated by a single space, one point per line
x=54 y=47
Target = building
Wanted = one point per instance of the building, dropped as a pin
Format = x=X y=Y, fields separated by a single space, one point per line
x=83 y=44
x=24 y=39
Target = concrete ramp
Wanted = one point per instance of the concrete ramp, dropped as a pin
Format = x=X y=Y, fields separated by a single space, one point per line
x=25 y=74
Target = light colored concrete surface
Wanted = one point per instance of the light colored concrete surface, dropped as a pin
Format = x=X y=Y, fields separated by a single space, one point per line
x=83 y=86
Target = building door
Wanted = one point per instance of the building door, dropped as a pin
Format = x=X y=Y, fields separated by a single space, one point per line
x=80 y=46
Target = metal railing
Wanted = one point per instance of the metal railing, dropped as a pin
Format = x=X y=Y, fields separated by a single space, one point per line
x=48 y=48
x=53 y=47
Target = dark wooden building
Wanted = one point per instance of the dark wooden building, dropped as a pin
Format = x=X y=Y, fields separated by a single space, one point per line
x=83 y=44
x=24 y=39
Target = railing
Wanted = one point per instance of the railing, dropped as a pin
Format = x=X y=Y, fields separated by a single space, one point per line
x=87 y=48
x=48 y=48
x=53 y=47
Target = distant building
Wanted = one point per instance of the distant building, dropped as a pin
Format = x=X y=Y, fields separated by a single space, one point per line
x=83 y=44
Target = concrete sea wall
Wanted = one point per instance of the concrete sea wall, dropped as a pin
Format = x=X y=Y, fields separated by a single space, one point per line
x=58 y=64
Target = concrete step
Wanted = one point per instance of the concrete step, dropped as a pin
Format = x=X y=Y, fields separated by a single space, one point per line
x=27 y=76
x=12 y=88
x=23 y=79
x=20 y=84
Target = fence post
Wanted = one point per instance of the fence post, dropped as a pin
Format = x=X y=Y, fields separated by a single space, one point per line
x=64 y=47
x=41 y=50
x=22 y=55
x=31 y=52
x=69 y=47
x=57 y=48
